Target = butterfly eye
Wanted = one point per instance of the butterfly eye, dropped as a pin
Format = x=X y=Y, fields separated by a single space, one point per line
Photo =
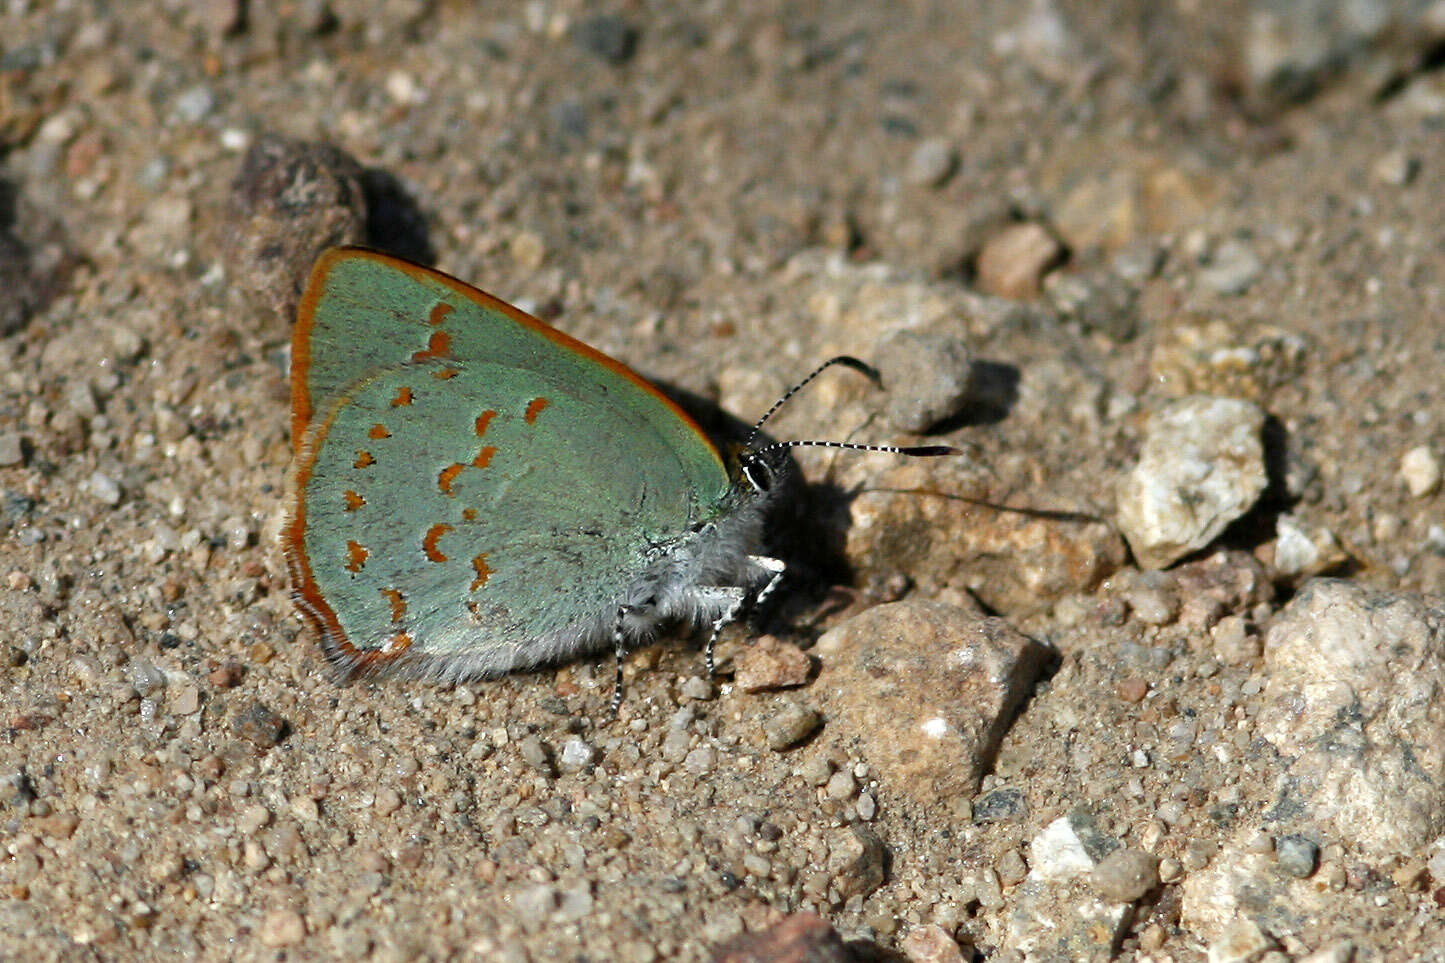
x=758 y=473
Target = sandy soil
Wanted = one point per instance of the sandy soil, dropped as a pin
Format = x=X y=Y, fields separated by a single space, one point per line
x=1239 y=200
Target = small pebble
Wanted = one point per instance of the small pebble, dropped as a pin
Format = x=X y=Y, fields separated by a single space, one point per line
x=1298 y=856
x=1012 y=868
x=1013 y=262
x=147 y=679
x=1242 y=941
x=1125 y=875
x=282 y=928
x=252 y=819
x=12 y=449
x=576 y=755
x=855 y=858
x=535 y=755
x=608 y=37
x=1154 y=604
x=1234 y=644
x=932 y=163
x=195 y=104
x=387 y=801
x=528 y=250
x=841 y=786
x=771 y=664
x=1132 y=689
x=1232 y=269
x=675 y=745
x=698 y=689
x=290 y=200
x=931 y=943
x=790 y=725
x=1396 y=168
x=227 y=676
x=816 y=770
x=402 y=88
x=185 y=700
x=259 y=725
x=1200 y=467
x=1420 y=471
x=701 y=760
x=104 y=488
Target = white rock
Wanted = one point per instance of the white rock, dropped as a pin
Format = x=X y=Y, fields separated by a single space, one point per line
x=1200 y=468
x=1420 y=471
x=1353 y=696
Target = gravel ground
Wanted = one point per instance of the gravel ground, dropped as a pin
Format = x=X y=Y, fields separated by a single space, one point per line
x=1153 y=671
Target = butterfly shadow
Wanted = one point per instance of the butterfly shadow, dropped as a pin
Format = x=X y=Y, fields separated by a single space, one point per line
x=808 y=521
x=395 y=222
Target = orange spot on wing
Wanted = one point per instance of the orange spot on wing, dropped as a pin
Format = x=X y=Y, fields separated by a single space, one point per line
x=353 y=501
x=398 y=603
x=356 y=555
x=429 y=543
x=483 y=420
x=438 y=346
x=483 y=570
x=445 y=374
x=403 y=397
x=470 y=514
x=396 y=645
x=379 y=432
x=439 y=313
x=484 y=457
x=363 y=459
x=448 y=475
x=534 y=408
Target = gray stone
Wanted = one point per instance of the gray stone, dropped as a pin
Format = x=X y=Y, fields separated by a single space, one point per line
x=1298 y=856
x=790 y=725
x=928 y=377
x=1232 y=269
x=855 y=860
x=1126 y=875
x=932 y=163
x=12 y=449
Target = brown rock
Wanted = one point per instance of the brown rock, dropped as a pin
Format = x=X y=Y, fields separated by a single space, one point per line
x=1013 y=262
x=931 y=944
x=259 y=725
x=1012 y=561
x=800 y=938
x=771 y=664
x=926 y=690
x=290 y=201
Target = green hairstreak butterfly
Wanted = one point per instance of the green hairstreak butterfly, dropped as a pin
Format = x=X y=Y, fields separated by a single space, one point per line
x=476 y=492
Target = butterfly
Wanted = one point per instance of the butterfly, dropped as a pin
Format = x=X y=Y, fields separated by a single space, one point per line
x=474 y=492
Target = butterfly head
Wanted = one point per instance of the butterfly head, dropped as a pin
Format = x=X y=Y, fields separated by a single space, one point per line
x=761 y=470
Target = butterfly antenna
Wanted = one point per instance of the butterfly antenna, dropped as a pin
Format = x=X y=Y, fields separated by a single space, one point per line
x=848 y=361
x=915 y=451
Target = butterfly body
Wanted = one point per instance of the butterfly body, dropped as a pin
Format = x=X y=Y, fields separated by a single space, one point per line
x=475 y=492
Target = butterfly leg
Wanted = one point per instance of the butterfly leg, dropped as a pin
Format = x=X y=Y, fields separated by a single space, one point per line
x=730 y=599
x=619 y=646
x=774 y=568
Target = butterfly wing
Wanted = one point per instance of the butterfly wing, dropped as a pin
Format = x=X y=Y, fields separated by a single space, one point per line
x=471 y=485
